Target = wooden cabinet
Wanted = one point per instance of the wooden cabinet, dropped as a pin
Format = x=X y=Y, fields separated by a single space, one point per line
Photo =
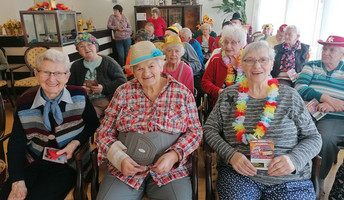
x=186 y=15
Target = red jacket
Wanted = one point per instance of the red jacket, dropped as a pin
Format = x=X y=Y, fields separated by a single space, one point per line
x=214 y=77
x=159 y=26
x=210 y=42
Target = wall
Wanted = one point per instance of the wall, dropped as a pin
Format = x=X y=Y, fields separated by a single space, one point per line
x=100 y=10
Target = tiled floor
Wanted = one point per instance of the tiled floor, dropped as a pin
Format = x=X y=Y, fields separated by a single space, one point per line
x=328 y=182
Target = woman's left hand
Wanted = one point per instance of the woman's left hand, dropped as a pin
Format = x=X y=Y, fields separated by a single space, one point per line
x=97 y=89
x=69 y=149
x=280 y=166
x=165 y=162
x=325 y=107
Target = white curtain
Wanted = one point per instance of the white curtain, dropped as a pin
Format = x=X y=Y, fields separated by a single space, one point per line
x=317 y=19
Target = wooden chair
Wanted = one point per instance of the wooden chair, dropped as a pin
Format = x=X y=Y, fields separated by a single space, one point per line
x=4 y=80
x=3 y=137
x=95 y=177
x=30 y=57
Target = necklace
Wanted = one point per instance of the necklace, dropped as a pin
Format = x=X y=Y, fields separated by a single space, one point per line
x=265 y=119
x=230 y=70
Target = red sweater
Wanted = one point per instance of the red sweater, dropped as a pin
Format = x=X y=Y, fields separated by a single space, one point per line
x=159 y=26
x=210 y=42
x=214 y=77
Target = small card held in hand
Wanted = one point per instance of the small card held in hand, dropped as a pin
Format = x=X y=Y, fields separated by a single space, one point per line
x=50 y=154
x=90 y=83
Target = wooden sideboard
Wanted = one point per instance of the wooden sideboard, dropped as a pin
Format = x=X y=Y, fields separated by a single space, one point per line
x=186 y=15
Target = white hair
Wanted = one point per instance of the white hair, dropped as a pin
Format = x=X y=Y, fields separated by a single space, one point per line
x=235 y=32
x=206 y=24
x=295 y=28
x=178 y=26
x=258 y=46
x=55 y=56
x=187 y=31
x=180 y=46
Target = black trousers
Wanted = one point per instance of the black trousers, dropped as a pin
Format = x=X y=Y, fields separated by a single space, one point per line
x=45 y=180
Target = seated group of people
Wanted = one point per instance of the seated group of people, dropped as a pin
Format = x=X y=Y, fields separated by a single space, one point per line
x=150 y=124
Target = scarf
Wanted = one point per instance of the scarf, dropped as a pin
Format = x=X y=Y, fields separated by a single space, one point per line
x=53 y=107
x=288 y=58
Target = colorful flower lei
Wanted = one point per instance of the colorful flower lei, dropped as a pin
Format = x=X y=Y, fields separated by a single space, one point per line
x=230 y=72
x=265 y=118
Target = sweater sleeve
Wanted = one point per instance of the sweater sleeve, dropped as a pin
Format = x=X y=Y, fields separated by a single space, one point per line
x=208 y=80
x=16 y=151
x=303 y=82
x=111 y=23
x=310 y=142
x=91 y=123
x=112 y=78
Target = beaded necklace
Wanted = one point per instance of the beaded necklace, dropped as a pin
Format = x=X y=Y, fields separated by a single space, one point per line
x=265 y=119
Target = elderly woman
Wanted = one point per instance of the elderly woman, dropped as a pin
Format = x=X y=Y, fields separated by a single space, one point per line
x=260 y=110
x=266 y=32
x=290 y=57
x=224 y=69
x=120 y=25
x=323 y=80
x=52 y=115
x=101 y=75
x=179 y=70
x=158 y=22
x=149 y=130
x=206 y=41
x=186 y=36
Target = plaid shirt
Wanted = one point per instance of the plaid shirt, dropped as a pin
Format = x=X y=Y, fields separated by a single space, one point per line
x=174 y=111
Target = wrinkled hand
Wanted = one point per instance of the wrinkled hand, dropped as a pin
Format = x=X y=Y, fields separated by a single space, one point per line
x=18 y=191
x=165 y=163
x=69 y=149
x=97 y=89
x=337 y=104
x=325 y=107
x=280 y=166
x=130 y=167
x=88 y=90
x=242 y=165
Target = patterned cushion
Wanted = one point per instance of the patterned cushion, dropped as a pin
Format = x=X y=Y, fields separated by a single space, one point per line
x=26 y=82
x=32 y=54
x=3 y=83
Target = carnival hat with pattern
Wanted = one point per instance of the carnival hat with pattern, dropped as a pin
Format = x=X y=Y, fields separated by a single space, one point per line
x=86 y=37
x=333 y=40
x=173 y=29
x=143 y=51
x=172 y=39
x=282 y=28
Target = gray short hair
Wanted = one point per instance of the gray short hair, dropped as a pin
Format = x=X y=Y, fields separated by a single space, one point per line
x=257 y=46
x=180 y=46
x=295 y=28
x=55 y=56
x=206 y=24
x=155 y=10
x=186 y=31
x=235 y=32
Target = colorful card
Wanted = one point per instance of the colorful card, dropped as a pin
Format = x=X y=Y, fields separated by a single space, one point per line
x=90 y=83
x=262 y=152
x=50 y=154
x=292 y=75
x=311 y=107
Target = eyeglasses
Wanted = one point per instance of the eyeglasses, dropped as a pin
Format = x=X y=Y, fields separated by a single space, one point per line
x=83 y=47
x=262 y=61
x=46 y=74
x=232 y=43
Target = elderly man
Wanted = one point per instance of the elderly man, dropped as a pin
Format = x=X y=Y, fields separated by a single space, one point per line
x=186 y=36
x=149 y=28
x=278 y=38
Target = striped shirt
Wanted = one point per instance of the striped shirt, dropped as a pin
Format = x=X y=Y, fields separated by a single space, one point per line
x=292 y=130
x=315 y=80
x=173 y=112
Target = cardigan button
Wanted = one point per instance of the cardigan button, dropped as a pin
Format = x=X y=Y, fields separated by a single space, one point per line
x=51 y=137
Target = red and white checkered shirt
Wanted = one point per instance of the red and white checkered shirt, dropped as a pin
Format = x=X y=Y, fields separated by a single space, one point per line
x=174 y=111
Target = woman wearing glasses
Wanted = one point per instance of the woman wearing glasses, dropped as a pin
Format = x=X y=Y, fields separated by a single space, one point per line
x=101 y=75
x=224 y=69
x=51 y=115
x=272 y=120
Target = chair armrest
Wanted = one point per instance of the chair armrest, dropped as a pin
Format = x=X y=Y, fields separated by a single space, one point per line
x=80 y=187
x=95 y=174
x=316 y=161
x=208 y=172
x=194 y=175
x=4 y=138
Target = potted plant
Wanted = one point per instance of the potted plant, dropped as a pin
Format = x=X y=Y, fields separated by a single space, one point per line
x=231 y=6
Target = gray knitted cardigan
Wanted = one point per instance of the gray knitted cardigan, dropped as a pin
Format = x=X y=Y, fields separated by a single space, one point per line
x=292 y=130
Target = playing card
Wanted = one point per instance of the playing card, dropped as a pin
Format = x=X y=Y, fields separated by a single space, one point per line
x=90 y=83
x=50 y=154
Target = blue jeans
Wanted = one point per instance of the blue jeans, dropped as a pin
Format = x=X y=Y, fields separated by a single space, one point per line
x=122 y=47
